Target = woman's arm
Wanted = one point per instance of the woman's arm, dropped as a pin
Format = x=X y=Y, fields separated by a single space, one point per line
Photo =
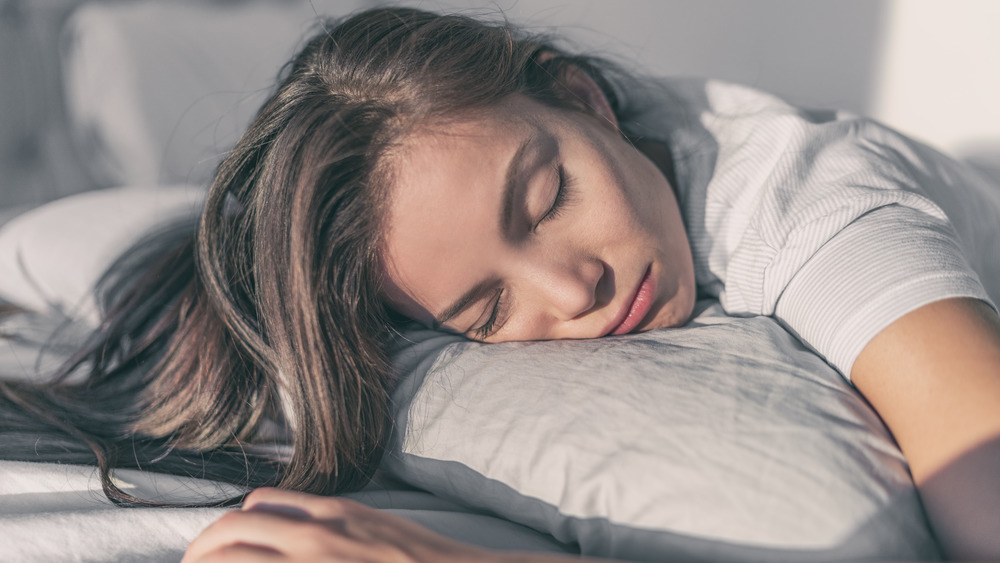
x=934 y=378
x=277 y=525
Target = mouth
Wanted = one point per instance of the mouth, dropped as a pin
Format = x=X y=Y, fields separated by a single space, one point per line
x=639 y=307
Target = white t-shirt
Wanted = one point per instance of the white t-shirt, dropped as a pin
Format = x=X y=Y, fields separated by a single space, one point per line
x=835 y=225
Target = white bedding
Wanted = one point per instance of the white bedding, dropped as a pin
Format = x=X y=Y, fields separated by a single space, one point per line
x=51 y=512
x=724 y=440
x=688 y=443
x=46 y=269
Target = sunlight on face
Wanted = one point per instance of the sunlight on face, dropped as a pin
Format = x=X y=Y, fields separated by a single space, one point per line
x=525 y=222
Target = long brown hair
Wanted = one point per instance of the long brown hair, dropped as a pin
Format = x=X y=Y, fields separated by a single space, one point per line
x=268 y=309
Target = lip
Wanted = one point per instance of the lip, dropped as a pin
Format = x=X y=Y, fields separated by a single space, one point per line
x=638 y=307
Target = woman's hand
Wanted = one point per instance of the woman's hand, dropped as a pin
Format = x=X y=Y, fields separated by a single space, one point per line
x=285 y=526
x=277 y=525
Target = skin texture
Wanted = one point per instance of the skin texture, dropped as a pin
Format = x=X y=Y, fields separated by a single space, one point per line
x=934 y=378
x=277 y=525
x=933 y=375
x=567 y=266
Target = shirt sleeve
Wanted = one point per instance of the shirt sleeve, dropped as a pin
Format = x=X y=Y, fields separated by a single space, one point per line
x=886 y=263
x=833 y=224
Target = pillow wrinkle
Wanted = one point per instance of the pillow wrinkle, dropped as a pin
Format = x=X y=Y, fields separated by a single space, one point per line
x=726 y=435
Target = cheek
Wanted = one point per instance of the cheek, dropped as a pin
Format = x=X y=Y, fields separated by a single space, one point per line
x=649 y=190
x=637 y=191
x=634 y=205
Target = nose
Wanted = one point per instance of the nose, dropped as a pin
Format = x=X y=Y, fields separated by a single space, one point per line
x=569 y=288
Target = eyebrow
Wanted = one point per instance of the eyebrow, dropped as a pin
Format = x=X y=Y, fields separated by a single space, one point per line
x=514 y=170
x=463 y=302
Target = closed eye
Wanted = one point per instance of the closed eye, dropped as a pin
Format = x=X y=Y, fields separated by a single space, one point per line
x=489 y=327
x=563 y=194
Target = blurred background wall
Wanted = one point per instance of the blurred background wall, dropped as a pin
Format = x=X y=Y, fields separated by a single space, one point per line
x=37 y=162
x=928 y=67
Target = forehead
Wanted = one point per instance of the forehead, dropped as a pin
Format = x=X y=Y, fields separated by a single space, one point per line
x=442 y=228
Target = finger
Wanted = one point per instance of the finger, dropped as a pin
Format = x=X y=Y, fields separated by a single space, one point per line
x=343 y=530
x=240 y=552
x=349 y=525
x=350 y=519
x=258 y=529
x=301 y=504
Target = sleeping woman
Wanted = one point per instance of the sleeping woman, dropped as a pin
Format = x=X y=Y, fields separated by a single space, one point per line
x=412 y=167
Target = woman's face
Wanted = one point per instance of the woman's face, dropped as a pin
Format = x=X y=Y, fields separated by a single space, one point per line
x=526 y=222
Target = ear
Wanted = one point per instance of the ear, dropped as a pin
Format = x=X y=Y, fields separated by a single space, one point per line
x=581 y=87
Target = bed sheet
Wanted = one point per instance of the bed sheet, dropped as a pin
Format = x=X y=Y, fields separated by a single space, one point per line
x=52 y=512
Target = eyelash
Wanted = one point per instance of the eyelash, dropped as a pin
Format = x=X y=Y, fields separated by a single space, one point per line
x=484 y=331
x=558 y=205
x=562 y=195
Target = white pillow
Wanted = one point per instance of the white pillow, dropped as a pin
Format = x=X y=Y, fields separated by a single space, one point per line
x=725 y=440
x=158 y=91
x=52 y=256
